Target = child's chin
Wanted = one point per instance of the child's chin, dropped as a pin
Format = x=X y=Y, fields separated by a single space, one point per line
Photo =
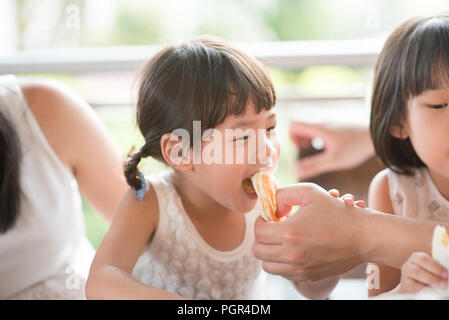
x=249 y=203
x=243 y=202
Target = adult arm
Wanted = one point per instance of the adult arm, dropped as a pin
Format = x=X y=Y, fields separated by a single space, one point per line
x=379 y=199
x=80 y=141
x=326 y=238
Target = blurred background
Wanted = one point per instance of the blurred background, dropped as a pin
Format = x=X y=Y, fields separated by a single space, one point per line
x=320 y=54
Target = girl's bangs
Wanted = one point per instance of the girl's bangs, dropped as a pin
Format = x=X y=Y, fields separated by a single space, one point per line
x=427 y=60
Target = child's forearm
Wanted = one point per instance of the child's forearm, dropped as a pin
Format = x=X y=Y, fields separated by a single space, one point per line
x=317 y=290
x=112 y=283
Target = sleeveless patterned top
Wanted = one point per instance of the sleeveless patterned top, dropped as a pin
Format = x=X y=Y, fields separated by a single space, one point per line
x=179 y=260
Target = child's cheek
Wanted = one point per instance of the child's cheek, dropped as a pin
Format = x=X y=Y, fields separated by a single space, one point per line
x=278 y=151
x=424 y=137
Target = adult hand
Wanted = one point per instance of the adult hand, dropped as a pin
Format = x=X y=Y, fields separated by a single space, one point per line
x=345 y=146
x=323 y=238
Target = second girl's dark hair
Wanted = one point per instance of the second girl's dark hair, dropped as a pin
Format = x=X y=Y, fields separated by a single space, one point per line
x=10 y=155
x=203 y=79
x=415 y=58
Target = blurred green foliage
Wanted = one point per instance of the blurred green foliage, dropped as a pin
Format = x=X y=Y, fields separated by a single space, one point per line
x=137 y=27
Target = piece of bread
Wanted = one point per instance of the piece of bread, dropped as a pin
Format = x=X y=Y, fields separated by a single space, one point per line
x=440 y=251
x=440 y=246
x=266 y=192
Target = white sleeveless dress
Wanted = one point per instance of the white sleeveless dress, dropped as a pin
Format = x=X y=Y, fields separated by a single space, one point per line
x=416 y=196
x=179 y=260
x=46 y=255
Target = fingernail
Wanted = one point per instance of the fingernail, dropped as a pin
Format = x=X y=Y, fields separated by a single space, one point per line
x=360 y=203
x=444 y=274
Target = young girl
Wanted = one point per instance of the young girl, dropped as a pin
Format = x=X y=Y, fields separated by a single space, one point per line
x=188 y=232
x=410 y=130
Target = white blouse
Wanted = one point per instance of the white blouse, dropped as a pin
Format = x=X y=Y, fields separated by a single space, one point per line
x=46 y=255
x=179 y=260
x=416 y=196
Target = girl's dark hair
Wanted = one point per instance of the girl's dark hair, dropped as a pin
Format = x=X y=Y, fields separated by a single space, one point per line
x=203 y=79
x=10 y=154
x=415 y=58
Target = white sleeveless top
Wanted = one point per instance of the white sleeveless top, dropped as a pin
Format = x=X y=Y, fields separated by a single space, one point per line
x=179 y=260
x=46 y=255
x=416 y=196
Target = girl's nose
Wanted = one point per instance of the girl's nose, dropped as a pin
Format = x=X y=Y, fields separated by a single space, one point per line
x=266 y=151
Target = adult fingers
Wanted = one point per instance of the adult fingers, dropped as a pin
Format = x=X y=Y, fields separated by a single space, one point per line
x=289 y=253
x=269 y=252
x=298 y=272
x=300 y=194
x=334 y=193
x=360 y=203
x=268 y=232
x=289 y=271
x=348 y=199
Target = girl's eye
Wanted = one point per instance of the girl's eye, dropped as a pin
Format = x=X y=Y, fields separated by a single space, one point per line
x=271 y=128
x=243 y=138
x=438 y=106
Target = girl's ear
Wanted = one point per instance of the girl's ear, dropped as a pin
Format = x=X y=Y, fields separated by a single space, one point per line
x=399 y=131
x=177 y=152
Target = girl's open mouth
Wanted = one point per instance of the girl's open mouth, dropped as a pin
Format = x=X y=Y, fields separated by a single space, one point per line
x=248 y=185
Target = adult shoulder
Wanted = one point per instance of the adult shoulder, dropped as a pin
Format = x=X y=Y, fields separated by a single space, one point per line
x=80 y=140
x=59 y=111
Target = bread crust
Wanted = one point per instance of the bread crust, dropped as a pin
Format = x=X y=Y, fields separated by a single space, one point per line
x=266 y=193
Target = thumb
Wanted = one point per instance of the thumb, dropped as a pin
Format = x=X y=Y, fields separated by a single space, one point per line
x=300 y=194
